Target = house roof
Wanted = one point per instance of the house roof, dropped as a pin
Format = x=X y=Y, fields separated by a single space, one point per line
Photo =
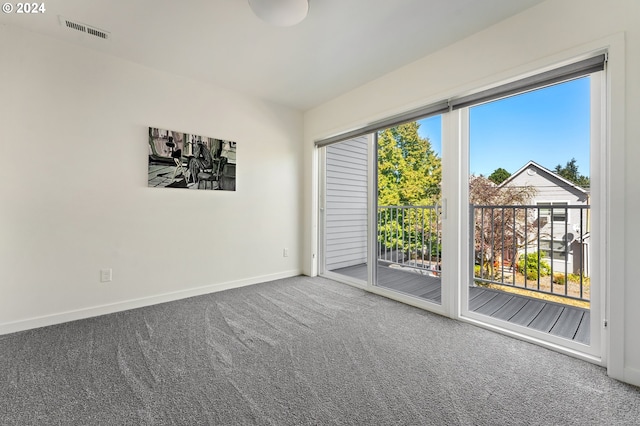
x=545 y=171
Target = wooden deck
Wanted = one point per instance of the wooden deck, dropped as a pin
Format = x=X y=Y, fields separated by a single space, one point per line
x=423 y=286
x=559 y=320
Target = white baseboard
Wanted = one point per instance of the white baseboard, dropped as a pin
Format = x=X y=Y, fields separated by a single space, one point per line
x=58 y=318
x=632 y=376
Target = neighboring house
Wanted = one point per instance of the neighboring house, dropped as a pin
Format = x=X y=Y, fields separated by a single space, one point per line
x=561 y=223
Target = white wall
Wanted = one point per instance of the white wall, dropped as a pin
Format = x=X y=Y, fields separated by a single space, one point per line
x=74 y=126
x=550 y=32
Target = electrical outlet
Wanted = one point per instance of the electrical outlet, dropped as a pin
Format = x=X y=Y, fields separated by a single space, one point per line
x=285 y=252
x=106 y=275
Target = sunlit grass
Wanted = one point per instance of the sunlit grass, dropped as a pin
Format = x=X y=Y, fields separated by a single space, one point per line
x=537 y=295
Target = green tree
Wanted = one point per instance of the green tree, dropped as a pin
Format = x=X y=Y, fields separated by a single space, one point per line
x=409 y=171
x=499 y=175
x=570 y=172
x=409 y=174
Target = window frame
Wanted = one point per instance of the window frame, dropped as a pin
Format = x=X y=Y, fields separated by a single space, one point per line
x=551 y=215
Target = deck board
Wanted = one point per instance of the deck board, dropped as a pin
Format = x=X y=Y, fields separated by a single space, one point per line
x=433 y=294
x=583 y=333
x=547 y=318
x=410 y=287
x=400 y=282
x=528 y=313
x=508 y=310
x=559 y=320
x=494 y=304
x=568 y=323
x=481 y=299
x=475 y=291
x=358 y=272
x=430 y=288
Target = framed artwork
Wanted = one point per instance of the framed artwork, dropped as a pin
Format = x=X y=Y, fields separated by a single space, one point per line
x=188 y=161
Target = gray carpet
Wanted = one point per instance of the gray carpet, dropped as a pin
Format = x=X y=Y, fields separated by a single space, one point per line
x=298 y=351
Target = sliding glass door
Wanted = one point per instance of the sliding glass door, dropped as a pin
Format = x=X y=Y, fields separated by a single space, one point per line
x=530 y=210
x=409 y=193
x=381 y=214
x=518 y=245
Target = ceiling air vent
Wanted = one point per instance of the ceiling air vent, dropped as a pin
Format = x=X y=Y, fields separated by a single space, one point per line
x=84 y=28
x=97 y=33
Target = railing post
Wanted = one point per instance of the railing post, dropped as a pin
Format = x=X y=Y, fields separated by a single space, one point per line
x=582 y=254
x=551 y=249
x=421 y=239
x=526 y=245
x=472 y=248
x=566 y=250
x=514 y=241
x=538 y=246
x=481 y=231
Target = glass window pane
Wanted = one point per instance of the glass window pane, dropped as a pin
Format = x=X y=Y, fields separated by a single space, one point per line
x=409 y=227
x=345 y=217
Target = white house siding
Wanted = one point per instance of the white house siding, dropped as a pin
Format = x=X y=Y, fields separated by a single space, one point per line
x=549 y=188
x=346 y=204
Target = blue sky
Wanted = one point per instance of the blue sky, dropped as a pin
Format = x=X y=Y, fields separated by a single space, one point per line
x=549 y=126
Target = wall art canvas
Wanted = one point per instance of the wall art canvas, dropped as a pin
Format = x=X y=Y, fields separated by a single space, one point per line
x=188 y=161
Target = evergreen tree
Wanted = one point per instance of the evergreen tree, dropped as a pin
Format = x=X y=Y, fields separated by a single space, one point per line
x=409 y=171
x=499 y=175
x=409 y=174
x=570 y=172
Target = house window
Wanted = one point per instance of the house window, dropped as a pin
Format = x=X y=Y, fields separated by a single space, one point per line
x=555 y=211
x=558 y=247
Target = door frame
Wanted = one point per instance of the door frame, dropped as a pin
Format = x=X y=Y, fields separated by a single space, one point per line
x=612 y=220
x=599 y=172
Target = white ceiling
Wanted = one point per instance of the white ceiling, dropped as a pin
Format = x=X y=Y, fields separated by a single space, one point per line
x=341 y=45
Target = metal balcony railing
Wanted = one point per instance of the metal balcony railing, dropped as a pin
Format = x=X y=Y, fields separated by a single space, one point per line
x=543 y=248
x=410 y=236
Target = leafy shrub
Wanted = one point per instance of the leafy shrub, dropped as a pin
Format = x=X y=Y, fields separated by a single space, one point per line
x=575 y=278
x=531 y=268
x=559 y=279
x=532 y=274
